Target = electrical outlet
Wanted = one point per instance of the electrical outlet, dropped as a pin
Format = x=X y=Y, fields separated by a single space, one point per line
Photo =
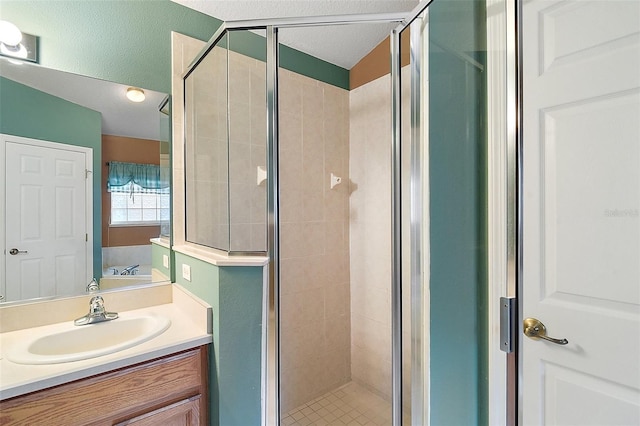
x=186 y=272
x=165 y=260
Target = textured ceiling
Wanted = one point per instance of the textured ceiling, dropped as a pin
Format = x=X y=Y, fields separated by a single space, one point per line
x=119 y=116
x=341 y=45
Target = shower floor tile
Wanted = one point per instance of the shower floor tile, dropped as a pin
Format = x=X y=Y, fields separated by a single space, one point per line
x=350 y=404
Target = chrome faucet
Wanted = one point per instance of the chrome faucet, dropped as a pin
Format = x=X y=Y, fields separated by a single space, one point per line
x=97 y=313
x=93 y=286
x=130 y=270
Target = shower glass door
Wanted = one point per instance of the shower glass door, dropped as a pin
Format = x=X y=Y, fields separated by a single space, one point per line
x=355 y=197
x=335 y=238
x=440 y=142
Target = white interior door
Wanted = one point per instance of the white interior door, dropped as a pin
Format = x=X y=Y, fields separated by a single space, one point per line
x=47 y=200
x=581 y=241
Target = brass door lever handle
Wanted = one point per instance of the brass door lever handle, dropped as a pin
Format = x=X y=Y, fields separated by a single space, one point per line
x=535 y=329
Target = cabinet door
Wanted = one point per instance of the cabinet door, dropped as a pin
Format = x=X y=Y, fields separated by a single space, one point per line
x=181 y=413
x=117 y=395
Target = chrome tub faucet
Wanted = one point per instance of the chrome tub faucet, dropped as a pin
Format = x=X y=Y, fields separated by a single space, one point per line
x=93 y=286
x=130 y=270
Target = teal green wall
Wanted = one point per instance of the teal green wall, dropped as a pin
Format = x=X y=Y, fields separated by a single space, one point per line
x=457 y=161
x=124 y=41
x=255 y=46
x=129 y=41
x=156 y=259
x=58 y=121
x=235 y=293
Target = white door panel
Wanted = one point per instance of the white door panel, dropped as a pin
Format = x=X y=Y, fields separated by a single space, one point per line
x=46 y=202
x=581 y=221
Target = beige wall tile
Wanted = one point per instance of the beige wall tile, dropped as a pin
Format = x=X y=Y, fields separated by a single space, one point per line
x=337 y=303
x=246 y=129
x=315 y=272
x=313 y=240
x=337 y=267
x=292 y=274
x=313 y=100
x=239 y=121
x=312 y=205
x=315 y=269
x=373 y=371
x=259 y=237
x=370 y=234
x=290 y=204
x=290 y=132
x=290 y=94
x=336 y=370
x=240 y=237
x=240 y=78
x=369 y=335
x=314 y=266
x=259 y=123
x=258 y=205
x=240 y=170
x=291 y=241
x=240 y=203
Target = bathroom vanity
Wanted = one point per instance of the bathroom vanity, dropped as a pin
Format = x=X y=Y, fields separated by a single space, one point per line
x=168 y=390
x=162 y=380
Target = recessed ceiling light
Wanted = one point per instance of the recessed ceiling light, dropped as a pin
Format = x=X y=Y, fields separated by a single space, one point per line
x=135 y=94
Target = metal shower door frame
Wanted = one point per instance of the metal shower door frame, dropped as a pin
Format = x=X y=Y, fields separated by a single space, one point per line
x=271 y=341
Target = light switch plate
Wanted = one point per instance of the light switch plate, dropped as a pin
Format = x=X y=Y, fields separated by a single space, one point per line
x=186 y=272
x=165 y=260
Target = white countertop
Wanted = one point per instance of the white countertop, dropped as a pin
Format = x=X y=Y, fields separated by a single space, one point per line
x=219 y=258
x=190 y=327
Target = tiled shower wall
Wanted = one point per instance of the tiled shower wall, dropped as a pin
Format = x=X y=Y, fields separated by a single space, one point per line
x=315 y=320
x=370 y=220
x=370 y=228
x=229 y=127
x=247 y=152
x=206 y=152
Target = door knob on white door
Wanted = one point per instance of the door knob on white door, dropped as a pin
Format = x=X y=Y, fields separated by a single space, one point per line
x=535 y=329
x=15 y=251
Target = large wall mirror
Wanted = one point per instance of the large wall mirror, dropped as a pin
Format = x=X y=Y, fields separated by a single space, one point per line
x=80 y=161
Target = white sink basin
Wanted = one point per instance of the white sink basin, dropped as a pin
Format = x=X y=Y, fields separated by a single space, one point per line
x=76 y=343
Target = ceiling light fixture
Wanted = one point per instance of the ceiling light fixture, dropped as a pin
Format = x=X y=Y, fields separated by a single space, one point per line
x=10 y=34
x=16 y=44
x=135 y=94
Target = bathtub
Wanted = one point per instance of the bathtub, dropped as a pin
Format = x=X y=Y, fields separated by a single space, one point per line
x=141 y=270
x=144 y=274
x=122 y=257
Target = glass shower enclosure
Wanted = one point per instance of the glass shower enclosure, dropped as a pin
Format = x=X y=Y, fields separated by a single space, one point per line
x=266 y=152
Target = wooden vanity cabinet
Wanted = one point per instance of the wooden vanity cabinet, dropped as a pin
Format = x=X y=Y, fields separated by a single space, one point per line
x=166 y=391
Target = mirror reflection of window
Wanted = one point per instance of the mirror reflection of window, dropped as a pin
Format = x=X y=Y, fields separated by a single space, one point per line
x=139 y=194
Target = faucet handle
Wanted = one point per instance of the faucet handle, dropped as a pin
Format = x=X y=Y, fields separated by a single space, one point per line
x=96 y=305
x=93 y=286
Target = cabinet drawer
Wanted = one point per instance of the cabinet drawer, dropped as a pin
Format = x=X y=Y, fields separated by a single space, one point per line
x=181 y=413
x=114 y=396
